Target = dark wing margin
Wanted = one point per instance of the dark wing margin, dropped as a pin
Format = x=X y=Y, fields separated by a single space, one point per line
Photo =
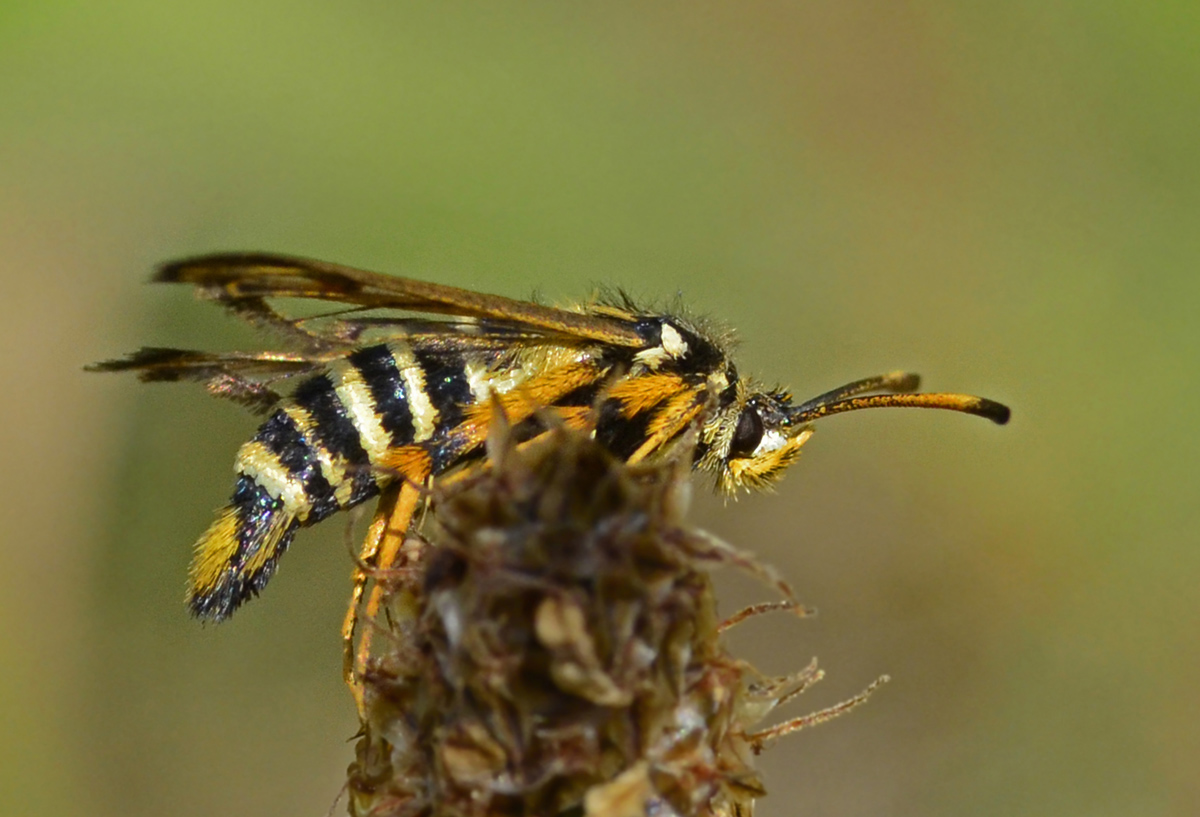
x=247 y=278
x=238 y=376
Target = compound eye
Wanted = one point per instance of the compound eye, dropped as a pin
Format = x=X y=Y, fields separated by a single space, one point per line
x=747 y=435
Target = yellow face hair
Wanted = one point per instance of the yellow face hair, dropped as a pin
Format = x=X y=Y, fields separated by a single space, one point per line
x=760 y=470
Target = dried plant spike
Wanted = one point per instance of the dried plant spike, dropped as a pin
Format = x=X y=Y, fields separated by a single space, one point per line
x=558 y=652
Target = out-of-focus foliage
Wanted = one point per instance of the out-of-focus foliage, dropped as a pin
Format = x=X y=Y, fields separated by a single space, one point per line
x=1000 y=196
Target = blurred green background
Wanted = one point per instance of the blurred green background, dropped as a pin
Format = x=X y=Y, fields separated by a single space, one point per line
x=1003 y=197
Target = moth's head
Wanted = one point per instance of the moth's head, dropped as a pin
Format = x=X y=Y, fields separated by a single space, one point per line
x=749 y=443
x=751 y=440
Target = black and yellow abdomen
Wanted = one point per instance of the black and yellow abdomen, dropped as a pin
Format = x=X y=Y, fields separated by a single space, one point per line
x=320 y=452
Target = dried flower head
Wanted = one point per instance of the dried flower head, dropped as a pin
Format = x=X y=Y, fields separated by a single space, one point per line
x=552 y=647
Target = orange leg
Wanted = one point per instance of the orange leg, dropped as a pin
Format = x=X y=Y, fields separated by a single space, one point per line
x=380 y=548
x=366 y=558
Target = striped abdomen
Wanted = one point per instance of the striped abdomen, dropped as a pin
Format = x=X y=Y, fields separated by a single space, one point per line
x=321 y=452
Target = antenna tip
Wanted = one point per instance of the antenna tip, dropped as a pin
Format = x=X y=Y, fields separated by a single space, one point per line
x=998 y=413
x=901 y=381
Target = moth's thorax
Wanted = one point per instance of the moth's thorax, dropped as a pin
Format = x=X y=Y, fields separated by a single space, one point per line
x=675 y=343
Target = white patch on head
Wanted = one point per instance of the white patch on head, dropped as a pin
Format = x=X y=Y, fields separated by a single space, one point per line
x=772 y=440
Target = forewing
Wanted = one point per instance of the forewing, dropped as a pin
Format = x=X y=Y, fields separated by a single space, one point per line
x=246 y=279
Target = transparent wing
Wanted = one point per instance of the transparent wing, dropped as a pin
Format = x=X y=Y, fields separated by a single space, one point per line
x=243 y=282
